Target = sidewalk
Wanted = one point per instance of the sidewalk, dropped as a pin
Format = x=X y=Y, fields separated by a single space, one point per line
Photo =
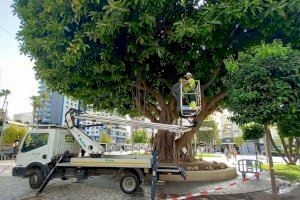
x=6 y=166
x=232 y=161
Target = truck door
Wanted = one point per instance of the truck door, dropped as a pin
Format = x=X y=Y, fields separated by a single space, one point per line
x=34 y=149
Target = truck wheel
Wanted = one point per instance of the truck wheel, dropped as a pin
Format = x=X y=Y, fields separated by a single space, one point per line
x=129 y=183
x=36 y=179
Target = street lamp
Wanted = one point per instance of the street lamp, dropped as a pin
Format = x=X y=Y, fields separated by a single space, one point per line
x=4 y=123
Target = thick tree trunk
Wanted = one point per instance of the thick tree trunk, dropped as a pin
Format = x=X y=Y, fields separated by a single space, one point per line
x=185 y=152
x=184 y=149
x=165 y=145
x=164 y=141
x=170 y=150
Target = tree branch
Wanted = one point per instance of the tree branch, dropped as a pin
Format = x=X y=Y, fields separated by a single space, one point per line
x=174 y=110
x=157 y=95
x=145 y=112
x=290 y=145
x=217 y=98
x=168 y=84
x=171 y=101
x=297 y=150
x=154 y=109
x=139 y=86
x=214 y=76
x=143 y=86
x=277 y=149
x=285 y=148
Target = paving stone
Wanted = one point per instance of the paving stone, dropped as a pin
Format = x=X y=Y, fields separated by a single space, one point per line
x=106 y=188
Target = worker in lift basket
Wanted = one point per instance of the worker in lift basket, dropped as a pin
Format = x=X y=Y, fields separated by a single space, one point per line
x=189 y=85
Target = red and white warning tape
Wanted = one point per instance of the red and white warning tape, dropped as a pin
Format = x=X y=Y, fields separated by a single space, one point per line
x=6 y=168
x=206 y=192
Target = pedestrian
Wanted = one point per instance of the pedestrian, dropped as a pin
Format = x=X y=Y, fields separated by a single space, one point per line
x=234 y=153
x=227 y=154
x=15 y=147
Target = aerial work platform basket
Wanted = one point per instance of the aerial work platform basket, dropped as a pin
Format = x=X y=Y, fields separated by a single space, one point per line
x=187 y=98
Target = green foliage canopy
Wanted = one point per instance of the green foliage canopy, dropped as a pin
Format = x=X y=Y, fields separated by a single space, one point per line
x=140 y=136
x=12 y=133
x=290 y=127
x=264 y=87
x=128 y=141
x=238 y=140
x=208 y=137
x=252 y=131
x=5 y=93
x=105 y=138
x=35 y=102
x=95 y=50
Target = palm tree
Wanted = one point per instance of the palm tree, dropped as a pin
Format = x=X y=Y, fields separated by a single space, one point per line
x=43 y=97
x=5 y=93
x=36 y=103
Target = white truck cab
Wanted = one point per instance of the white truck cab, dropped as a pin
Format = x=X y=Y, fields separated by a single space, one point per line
x=39 y=147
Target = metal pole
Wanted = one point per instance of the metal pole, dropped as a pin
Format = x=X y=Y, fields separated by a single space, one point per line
x=154 y=173
x=256 y=150
x=4 y=124
x=195 y=143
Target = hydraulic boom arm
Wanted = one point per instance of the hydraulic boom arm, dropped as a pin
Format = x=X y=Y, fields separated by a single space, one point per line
x=86 y=143
x=93 y=147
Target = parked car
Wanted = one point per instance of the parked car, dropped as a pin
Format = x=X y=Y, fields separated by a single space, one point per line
x=1 y=154
x=11 y=153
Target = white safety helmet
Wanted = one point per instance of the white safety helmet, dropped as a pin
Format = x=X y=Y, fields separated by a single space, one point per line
x=188 y=74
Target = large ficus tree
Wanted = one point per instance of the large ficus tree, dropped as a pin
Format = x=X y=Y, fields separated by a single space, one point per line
x=126 y=55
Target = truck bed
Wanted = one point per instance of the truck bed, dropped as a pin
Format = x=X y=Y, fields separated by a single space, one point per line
x=107 y=162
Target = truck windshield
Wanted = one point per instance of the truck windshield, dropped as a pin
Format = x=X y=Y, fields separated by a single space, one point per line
x=34 y=141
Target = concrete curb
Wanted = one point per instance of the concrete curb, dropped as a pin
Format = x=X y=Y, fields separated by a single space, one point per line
x=213 y=175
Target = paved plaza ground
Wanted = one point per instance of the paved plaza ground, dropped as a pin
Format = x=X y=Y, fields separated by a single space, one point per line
x=105 y=187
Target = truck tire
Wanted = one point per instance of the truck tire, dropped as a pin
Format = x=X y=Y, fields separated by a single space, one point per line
x=129 y=183
x=64 y=178
x=36 y=179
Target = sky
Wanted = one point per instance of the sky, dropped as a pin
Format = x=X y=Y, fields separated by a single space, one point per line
x=16 y=70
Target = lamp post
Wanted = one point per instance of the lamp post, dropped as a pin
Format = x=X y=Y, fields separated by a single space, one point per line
x=4 y=123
